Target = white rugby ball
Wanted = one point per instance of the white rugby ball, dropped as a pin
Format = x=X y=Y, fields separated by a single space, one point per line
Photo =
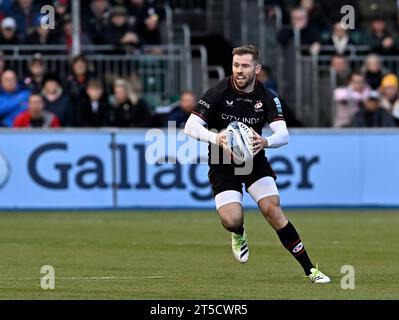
x=239 y=140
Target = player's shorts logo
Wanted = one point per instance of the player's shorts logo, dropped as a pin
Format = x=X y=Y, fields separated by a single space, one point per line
x=4 y=170
x=298 y=247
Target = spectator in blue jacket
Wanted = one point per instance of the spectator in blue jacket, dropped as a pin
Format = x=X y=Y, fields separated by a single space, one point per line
x=13 y=98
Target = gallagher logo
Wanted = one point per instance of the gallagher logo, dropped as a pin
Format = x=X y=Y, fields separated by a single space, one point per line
x=4 y=170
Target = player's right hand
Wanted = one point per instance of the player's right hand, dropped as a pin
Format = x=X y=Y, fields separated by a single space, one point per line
x=221 y=139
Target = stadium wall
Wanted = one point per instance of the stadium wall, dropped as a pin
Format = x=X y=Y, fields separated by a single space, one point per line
x=116 y=169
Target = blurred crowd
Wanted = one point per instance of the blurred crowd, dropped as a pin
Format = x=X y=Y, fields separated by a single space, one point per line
x=41 y=99
x=112 y=22
x=364 y=97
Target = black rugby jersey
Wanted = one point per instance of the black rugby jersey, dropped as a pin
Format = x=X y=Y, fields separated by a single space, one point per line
x=223 y=103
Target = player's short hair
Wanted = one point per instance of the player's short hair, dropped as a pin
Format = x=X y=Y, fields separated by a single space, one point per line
x=248 y=49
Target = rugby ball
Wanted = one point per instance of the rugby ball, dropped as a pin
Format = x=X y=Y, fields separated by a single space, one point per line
x=239 y=141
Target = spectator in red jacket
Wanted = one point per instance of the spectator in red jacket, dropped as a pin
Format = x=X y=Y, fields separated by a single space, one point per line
x=35 y=116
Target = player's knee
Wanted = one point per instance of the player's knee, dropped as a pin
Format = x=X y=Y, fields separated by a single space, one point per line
x=232 y=224
x=271 y=207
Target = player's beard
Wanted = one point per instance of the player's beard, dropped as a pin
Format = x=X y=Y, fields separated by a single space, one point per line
x=249 y=81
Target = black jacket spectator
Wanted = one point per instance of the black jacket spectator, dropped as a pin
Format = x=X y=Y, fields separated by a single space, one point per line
x=93 y=108
x=309 y=36
x=147 y=18
x=40 y=36
x=128 y=109
x=92 y=114
x=372 y=114
x=380 y=39
x=367 y=119
x=79 y=78
x=127 y=114
x=34 y=79
x=96 y=19
x=332 y=9
x=120 y=31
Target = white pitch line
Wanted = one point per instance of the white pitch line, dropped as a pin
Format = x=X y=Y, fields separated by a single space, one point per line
x=83 y=278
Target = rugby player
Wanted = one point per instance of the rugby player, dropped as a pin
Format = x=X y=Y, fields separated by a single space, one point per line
x=242 y=97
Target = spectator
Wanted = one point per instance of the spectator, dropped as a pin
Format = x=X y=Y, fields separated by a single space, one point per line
x=61 y=12
x=373 y=70
x=66 y=36
x=78 y=79
x=266 y=79
x=390 y=95
x=25 y=13
x=8 y=35
x=57 y=101
x=97 y=20
x=339 y=39
x=13 y=98
x=316 y=17
x=6 y=4
x=332 y=10
x=119 y=33
x=309 y=36
x=146 y=21
x=35 y=77
x=40 y=36
x=340 y=67
x=372 y=114
x=61 y=9
x=183 y=110
x=36 y=116
x=370 y=9
x=3 y=63
x=93 y=107
x=128 y=109
x=380 y=39
x=348 y=99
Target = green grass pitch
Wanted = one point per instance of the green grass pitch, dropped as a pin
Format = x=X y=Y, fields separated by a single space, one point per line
x=187 y=255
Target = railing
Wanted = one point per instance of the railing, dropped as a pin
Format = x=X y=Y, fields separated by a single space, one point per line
x=215 y=74
x=188 y=5
x=314 y=82
x=163 y=74
x=200 y=69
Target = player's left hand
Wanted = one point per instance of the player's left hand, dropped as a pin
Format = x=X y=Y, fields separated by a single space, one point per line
x=258 y=142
